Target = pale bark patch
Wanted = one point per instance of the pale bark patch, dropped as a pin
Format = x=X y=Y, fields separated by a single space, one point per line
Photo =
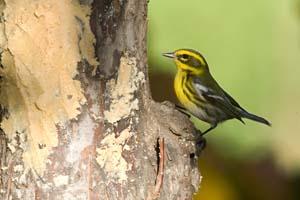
x=43 y=42
x=109 y=155
x=60 y=180
x=123 y=100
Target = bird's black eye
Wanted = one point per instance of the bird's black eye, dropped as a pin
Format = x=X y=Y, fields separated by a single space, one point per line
x=185 y=56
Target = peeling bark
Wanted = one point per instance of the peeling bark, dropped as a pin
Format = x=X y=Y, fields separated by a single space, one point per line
x=106 y=126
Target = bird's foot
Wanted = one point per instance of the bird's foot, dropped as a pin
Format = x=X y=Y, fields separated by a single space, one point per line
x=200 y=143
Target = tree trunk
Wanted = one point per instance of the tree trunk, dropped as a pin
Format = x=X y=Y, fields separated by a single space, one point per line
x=77 y=119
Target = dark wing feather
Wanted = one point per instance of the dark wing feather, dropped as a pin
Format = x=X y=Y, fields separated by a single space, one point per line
x=232 y=101
x=219 y=99
x=224 y=105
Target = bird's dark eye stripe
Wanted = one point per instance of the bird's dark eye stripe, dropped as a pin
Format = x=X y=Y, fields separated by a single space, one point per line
x=185 y=56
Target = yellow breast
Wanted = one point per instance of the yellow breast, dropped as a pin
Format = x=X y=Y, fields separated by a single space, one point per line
x=189 y=104
x=180 y=79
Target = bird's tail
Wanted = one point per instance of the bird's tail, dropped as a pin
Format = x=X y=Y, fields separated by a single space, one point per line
x=256 y=118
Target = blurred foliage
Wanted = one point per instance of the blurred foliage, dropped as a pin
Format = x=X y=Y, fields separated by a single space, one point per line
x=234 y=180
x=253 y=49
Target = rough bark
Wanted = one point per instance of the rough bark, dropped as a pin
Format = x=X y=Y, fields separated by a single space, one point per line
x=119 y=144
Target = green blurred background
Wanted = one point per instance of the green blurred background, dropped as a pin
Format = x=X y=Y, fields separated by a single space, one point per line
x=253 y=49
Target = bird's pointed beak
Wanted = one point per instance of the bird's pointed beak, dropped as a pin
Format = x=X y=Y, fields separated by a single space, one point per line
x=169 y=55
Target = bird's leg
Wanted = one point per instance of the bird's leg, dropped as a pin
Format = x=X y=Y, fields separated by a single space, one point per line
x=182 y=110
x=211 y=128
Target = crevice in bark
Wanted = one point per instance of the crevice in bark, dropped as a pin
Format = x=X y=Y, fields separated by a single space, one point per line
x=160 y=150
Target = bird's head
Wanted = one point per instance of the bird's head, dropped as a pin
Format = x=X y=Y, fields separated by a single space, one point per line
x=188 y=60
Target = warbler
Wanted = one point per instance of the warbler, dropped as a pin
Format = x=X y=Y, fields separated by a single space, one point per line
x=201 y=95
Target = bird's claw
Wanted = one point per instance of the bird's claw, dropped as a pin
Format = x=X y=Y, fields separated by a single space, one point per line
x=200 y=145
